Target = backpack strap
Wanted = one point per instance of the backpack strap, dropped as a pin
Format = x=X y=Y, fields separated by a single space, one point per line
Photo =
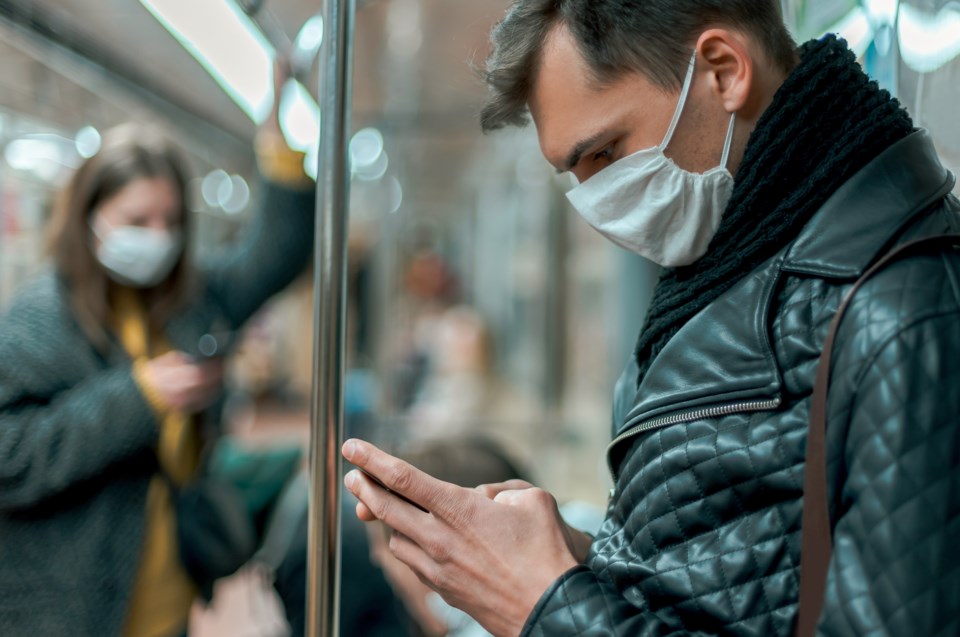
x=817 y=539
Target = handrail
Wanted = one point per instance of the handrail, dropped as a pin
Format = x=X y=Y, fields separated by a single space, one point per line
x=333 y=199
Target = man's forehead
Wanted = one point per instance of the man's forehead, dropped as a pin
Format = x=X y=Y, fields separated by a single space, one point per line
x=561 y=87
x=560 y=64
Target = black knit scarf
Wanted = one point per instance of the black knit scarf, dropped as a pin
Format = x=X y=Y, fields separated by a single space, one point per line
x=825 y=123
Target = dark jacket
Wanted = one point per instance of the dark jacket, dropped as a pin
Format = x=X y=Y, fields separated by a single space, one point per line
x=703 y=534
x=77 y=437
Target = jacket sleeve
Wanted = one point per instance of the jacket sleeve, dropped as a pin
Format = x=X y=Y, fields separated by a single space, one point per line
x=272 y=252
x=581 y=604
x=895 y=567
x=54 y=433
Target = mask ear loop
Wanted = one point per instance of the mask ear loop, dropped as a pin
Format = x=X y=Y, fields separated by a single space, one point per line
x=727 y=144
x=680 y=103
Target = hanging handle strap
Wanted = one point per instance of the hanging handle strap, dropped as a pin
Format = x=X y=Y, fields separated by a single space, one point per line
x=817 y=540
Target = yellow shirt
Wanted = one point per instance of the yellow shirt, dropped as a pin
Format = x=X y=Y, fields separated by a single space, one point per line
x=163 y=592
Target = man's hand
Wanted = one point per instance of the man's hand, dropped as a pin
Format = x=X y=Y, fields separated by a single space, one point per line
x=577 y=541
x=492 y=558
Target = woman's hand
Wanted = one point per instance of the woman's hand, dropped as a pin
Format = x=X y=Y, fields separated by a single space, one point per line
x=492 y=558
x=281 y=75
x=183 y=384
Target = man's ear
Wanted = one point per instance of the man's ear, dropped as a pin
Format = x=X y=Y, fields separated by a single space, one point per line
x=729 y=65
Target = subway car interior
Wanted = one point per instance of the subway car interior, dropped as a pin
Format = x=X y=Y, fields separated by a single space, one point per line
x=479 y=318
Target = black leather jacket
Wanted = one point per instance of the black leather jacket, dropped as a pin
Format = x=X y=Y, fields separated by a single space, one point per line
x=702 y=534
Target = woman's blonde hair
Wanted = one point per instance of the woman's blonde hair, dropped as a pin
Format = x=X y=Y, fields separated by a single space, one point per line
x=128 y=153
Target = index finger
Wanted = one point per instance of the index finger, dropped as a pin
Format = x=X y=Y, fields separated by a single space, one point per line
x=401 y=477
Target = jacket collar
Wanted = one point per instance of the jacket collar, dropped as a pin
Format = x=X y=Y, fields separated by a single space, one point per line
x=864 y=214
x=724 y=354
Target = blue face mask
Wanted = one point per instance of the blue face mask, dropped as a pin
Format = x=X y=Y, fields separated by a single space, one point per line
x=137 y=257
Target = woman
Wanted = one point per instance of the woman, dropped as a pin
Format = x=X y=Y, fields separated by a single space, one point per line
x=102 y=384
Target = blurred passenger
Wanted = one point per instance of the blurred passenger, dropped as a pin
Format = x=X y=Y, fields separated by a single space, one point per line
x=104 y=384
x=430 y=287
x=446 y=383
x=765 y=179
x=368 y=606
x=456 y=390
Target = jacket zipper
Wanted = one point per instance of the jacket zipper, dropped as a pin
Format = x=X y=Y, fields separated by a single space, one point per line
x=690 y=416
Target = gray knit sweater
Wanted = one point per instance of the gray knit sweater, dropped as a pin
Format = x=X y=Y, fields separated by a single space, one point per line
x=77 y=435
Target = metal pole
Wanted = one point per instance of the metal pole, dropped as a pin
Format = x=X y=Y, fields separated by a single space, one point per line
x=330 y=263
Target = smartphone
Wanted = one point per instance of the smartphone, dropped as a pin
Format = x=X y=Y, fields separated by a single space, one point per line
x=388 y=490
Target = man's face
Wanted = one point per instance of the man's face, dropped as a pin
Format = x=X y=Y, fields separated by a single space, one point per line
x=584 y=127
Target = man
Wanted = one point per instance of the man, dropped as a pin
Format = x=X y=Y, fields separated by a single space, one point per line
x=766 y=179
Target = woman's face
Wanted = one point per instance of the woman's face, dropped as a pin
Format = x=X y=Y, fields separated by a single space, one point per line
x=137 y=234
x=146 y=202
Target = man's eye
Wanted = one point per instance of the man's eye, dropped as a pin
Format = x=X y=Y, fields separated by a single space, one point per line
x=605 y=154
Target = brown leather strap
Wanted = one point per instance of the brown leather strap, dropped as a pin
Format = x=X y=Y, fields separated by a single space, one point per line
x=817 y=542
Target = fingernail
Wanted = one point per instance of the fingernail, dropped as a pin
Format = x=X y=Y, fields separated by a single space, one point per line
x=350 y=479
x=349 y=448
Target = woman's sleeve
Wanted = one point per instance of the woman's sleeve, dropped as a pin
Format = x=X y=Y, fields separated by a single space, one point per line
x=54 y=435
x=277 y=245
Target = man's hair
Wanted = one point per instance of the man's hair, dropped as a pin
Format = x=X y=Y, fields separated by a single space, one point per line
x=615 y=37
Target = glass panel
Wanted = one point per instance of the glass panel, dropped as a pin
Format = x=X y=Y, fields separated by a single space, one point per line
x=911 y=47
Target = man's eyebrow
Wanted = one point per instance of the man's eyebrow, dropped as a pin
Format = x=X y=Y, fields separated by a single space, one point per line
x=573 y=158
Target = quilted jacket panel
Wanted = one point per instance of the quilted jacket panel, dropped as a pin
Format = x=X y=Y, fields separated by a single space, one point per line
x=703 y=530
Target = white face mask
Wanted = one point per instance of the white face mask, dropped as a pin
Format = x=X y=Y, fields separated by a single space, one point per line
x=649 y=205
x=137 y=257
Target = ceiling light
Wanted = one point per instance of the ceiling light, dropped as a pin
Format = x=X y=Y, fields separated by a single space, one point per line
x=366 y=146
x=44 y=155
x=211 y=185
x=87 y=141
x=239 y=195
x=227 y=44
x=928 y=41
x=310 y=37
x=299 y=117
